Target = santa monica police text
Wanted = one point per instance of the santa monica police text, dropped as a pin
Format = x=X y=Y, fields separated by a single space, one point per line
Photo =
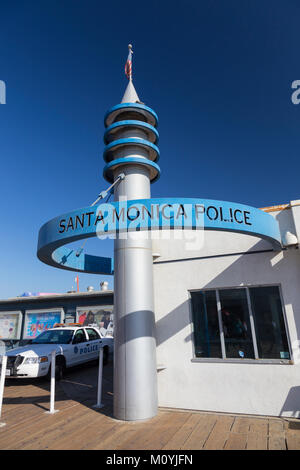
x=109 y=218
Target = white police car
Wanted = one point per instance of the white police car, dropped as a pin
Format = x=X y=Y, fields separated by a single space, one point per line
x=74 y=344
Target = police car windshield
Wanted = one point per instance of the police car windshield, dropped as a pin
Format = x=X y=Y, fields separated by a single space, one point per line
x=54 y=337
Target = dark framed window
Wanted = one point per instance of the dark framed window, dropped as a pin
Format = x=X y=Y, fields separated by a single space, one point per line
x=239 y=323
x=92 y=334
x=79 y=337
x=270 y=330
x=206 y=325
x=236 y=324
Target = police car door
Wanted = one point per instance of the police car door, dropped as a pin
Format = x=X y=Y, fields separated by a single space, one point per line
x=80 y=349
x=93 y=344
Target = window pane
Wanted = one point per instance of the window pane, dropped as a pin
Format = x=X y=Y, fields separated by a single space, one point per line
x=269 y=323
x=54 y=337
x=92 y=334
x=80 y=336
x=236 y=323
x=206 y=326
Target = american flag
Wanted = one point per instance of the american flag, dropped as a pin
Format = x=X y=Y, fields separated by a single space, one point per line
x=128 y=65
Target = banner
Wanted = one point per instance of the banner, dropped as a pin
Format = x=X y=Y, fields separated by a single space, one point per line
x=37 y=322
x=10 y=324
x=100 y=316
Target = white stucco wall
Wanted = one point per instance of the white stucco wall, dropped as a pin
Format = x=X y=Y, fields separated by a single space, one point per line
x=261 y=389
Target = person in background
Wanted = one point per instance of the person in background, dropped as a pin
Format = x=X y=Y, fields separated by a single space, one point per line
x=90 y=319
x=233 y=325
x=82 y=318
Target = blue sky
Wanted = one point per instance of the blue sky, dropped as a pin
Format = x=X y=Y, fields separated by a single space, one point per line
x=218 y=74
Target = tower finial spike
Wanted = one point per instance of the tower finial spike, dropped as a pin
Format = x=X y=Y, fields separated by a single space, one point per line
x=130 y=95
x=128 y=65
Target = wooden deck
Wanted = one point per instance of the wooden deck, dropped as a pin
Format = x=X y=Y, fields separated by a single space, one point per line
x=78 y=425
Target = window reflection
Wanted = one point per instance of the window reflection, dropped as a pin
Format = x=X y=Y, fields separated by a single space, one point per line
x=206 y=327
x=268 y=332
x=236 y=323
x=269 y=323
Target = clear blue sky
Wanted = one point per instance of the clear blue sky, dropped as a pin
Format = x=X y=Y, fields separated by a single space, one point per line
x=218 y=74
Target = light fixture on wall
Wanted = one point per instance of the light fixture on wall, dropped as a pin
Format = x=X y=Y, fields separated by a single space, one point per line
x=290 y=240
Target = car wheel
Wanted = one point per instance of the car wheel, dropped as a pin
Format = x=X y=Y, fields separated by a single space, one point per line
x=60 y=368
x=59 y=372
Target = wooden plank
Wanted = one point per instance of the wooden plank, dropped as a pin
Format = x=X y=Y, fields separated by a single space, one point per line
x=257 y=441
x=156 y=436
x=163 y=434
x=31 y=415
x=292 y=434
x=259 y=425
x=125 y=440
x=10 y=434
x=276 y=426
x=98 y=427
x=293 y=441
x=78 y=426
x=119 y=440
x=258 y=434
x=277 y=442
x=220 y=433
x=224 y=423
x=292 y=426
x=26 y=435
x=23 y=411
x=16 y=415
x=123 y=436
x=86 y=437
x=200 y=434
x=48 y=425
x=20 y=401
x=236 y=442
x=128 y=432
x=183 y=433
x=216 y=441
x=241 y=425
x=77 y=432
x=30 y=411
x=276 y=435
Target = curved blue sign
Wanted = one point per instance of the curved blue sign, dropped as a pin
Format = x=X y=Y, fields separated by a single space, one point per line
x=111 y=219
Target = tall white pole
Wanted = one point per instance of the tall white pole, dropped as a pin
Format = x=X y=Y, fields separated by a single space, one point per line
x=100 y=374
x=2 y=380
x=131 y=137
x=52 y=384
x=135 y=387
